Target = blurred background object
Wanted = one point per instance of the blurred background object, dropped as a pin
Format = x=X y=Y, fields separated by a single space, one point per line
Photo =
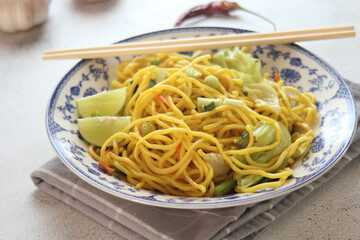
x=91 y=1
x=22 y=15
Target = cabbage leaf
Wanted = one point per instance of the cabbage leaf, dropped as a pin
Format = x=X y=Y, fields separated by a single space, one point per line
x=248 y=69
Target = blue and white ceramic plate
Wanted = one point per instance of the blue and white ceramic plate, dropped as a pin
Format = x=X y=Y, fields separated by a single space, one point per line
x=334 y=127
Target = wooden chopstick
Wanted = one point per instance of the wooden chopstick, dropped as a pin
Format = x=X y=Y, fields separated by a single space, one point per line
x=202 y=43
x=213 y=39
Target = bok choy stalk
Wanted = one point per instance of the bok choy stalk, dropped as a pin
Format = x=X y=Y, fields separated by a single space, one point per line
x=221 y=169
x=264 y=134
x=247 y=69
x=225 y=187
x=246 y=181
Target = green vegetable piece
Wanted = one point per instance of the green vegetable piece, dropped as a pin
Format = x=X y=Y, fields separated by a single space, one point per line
x=152 y=83
x=212 y=82
x=248 y=69
x=241 y=159
x=220 y=59
x=302 y=148
x=203 y=101
x=266 y=180
x=147 y=128
x=225 y=187
x=233 y=102
x=135 y=89
x=209 y=106
x=264 y=134
x=285 y=141
x=155 y=62
x=192 y=72
x=248 y=181
x=160 y=74
x=238 y=60
x=244 y=140
x=118 y=171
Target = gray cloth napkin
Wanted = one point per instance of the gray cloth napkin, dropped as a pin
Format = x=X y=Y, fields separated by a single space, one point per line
x=136 y=221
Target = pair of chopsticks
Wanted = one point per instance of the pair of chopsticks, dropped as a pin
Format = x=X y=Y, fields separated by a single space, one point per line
x=202 y=43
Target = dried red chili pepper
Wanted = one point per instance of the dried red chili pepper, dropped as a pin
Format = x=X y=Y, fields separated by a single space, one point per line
x=216 y=8
x=210 y=9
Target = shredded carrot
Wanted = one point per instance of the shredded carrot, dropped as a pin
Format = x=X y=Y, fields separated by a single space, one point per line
x=109 y=170
x=179 y=151
x=277 y=77
x=163 y=99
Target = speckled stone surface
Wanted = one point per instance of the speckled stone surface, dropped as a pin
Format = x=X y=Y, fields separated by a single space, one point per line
x=331 y=212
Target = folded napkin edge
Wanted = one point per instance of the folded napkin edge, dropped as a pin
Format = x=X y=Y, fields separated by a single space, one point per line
x=90 y=197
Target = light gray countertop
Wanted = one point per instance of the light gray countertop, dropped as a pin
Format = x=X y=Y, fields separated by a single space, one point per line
x=331 y=212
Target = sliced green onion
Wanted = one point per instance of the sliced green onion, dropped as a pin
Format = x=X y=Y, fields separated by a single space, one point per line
x=212 y=82
x=233 y=102
x=244 y=140
x=155 y=62
x=192 y=72
x=209 y=106
x=203 y=101
x=136 y=87
x=152 y=83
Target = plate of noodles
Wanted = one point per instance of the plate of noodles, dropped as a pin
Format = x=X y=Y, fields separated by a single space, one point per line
x=206 y=129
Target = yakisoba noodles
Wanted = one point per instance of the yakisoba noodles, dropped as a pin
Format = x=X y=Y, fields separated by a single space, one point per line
x=191 y=133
